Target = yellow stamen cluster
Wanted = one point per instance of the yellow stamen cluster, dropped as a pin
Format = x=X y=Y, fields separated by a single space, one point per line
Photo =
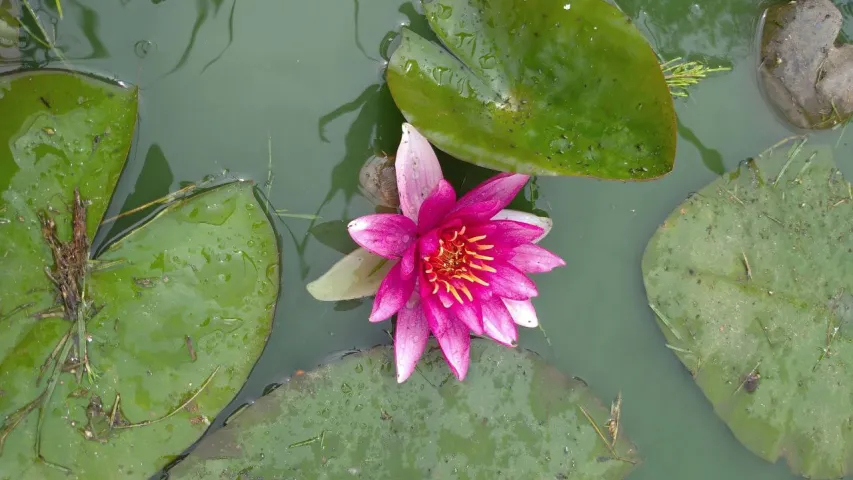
x=458 y=261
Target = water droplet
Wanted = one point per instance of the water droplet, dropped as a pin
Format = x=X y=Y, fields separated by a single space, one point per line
x=488 y=61
x=359 y=368
x=346 y=389
x=410 y=64
x=143 y=47
x=444 y=11
x=4 y=221
x=442 y=75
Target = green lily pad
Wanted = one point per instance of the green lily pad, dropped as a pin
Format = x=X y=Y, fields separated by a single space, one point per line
x=168 y=321
x=537 y=87
x=514 y=416
x=751 y=280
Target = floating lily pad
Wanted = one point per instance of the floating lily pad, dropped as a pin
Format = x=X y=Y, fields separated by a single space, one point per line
x=538 y=87
x=147 y=342
x=751 y=280
x=513 y=417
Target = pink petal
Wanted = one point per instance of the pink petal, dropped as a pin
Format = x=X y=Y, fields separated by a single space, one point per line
x=428 y=243
x=470 y=314
x=498 y=322
x=392 y=295
x=385 y=234
x=508 y=282
x=436 y=206
x=410 y=337
x=452 y=336
x=507 y=233
x=522 y=312
x=409 y=262
x=501 y=188
x=531 y=258
x=418 y=171
x=544 y=223
x=476 y=213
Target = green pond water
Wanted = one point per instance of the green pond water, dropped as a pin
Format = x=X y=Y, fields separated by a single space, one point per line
x=221 y=80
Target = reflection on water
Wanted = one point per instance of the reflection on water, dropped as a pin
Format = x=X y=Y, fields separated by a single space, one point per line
x=712 y=28
x=710 y=157
x=206 y=10
x=376 y=129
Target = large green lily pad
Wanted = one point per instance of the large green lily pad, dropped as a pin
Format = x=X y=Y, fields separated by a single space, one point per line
x=513 y=417
x=751 y=279
x=172 y=316
x=538 y=87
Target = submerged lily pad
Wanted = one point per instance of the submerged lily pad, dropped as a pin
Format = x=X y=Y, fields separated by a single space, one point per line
x=513 y=417
x=751 y=280
x=147 y=342
x=537 y=87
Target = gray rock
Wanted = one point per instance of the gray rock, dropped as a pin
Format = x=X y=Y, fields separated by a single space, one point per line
x=803 y=73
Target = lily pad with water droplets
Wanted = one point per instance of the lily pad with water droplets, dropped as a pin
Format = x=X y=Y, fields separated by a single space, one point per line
x=112 y=366
x=538 y=87
x=751 y=280
x=514 y=416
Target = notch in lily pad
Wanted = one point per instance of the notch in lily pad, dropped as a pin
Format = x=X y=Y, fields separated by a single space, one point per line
x=113 y=365
x=537 y=87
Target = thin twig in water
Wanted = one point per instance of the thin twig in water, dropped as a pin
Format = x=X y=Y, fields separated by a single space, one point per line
x=673 y=347
x=547 y=340
x=48 y=393
x=269 y=167
x=733 y=196
x=793 y=152
x=603 y=438
x=176 y=195
x=319 y=438
x=779 y=144
x=746 y=264
x=44 y=40
x=665 y=321
x=180 y=407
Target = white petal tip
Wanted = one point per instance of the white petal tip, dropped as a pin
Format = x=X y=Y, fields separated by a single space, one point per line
x=357 y=275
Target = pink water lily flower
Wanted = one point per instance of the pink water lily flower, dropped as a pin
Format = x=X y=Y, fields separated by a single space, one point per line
x=459 y=265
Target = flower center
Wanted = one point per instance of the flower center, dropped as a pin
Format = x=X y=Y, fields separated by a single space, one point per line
x=456 y=262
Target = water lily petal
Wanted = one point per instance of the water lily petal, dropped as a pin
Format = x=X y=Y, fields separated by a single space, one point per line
x=409 y=262
x=436 y=206
x=507 y=233
x=475 y=213
x=531 y=258
x=410 y=337
x=357 y=275
x=470 y=314
x=498 y=323
x=522 y=312
x=544 y=223
x=508 y=282
x=418 y=171
x=428 y=243
x=501 y=188
x=385 y=234
x=392 y=294
x=452 y=336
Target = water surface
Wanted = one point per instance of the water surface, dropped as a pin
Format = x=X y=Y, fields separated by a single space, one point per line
x=221 y=80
